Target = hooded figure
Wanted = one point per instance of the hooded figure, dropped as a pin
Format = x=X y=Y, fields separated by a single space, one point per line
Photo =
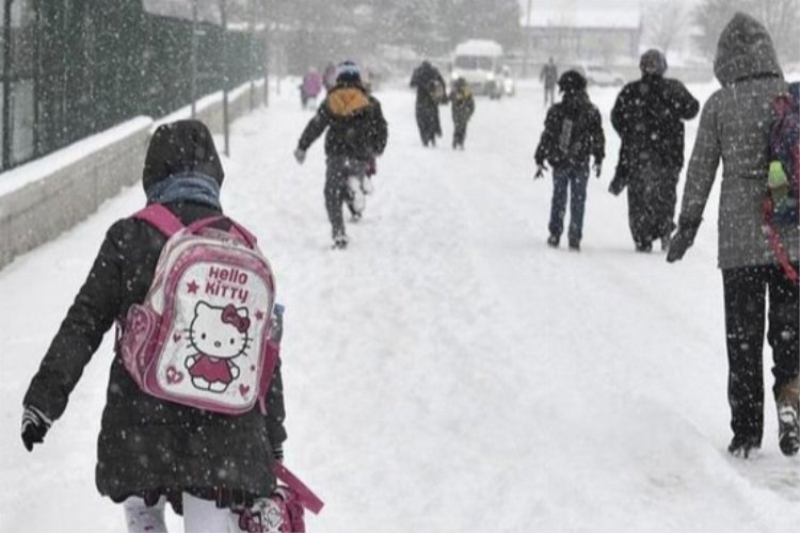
x=734 y=128
x=648 y=115
x=573 y=132
x=150 y=450
x=430 y=93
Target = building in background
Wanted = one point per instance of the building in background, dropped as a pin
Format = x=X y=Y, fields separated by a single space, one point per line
x=586 y=35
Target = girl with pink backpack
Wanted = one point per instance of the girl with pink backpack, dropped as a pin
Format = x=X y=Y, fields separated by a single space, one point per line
x=208 y=464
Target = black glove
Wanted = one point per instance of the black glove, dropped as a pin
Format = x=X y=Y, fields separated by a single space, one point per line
x=683 y=239
x=598 y=169
x=540 y=168
x=617 y=185
x=34 y=426
x=277 y=452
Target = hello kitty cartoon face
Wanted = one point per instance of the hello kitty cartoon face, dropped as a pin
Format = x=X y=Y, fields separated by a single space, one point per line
x=220 y=331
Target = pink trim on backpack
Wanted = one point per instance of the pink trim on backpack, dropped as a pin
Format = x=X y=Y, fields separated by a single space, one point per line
x=159 y=347
x=161 y=218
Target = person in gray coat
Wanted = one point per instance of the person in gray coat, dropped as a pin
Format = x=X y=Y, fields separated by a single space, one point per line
x=734 y=127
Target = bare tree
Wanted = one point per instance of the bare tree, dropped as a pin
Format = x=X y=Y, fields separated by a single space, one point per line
x=665 y=22
x=781 y=18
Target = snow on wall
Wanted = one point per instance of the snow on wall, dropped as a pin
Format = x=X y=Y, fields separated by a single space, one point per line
x=43 y=198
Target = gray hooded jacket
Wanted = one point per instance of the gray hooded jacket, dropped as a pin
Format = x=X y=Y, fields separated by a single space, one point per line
x=734 y=127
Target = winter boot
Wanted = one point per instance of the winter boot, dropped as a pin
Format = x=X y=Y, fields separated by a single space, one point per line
x=355 y=196
x=575 y=245
x=552 y=241
x=788 y=405
x=339 y=240
x=743 y=447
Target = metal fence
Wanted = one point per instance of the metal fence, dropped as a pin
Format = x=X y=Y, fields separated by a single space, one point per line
x=71 y=68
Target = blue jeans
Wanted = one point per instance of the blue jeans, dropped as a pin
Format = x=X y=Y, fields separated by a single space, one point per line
x=573 y=180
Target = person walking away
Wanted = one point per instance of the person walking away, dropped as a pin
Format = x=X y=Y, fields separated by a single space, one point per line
x=648 y=115
x=734 y=128
x=549 y=76
x=151 y=451
x=356 y=132
x=462 y=107
x=430 y=93
x=310 y=87
x=573 y=132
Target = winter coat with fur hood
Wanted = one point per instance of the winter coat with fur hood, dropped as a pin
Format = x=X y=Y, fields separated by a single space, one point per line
x=149 y=447
x=734 y=129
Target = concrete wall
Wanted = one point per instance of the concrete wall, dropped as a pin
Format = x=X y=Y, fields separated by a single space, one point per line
x=40 y=200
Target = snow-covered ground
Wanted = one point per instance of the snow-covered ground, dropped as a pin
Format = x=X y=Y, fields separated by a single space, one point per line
x=449 y=372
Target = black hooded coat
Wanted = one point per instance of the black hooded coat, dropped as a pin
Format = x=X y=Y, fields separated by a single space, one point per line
x=148 y=447
x=430 y=93
x=648 y=115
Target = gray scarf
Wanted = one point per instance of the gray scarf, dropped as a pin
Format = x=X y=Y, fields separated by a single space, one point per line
x=186 y=186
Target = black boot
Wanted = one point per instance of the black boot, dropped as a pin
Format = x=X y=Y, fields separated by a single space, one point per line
x=743 y=446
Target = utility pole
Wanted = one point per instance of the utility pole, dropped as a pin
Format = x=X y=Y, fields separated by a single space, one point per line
x=526 y=33
x=225 y=78
x=193 y=61
x=252 y=52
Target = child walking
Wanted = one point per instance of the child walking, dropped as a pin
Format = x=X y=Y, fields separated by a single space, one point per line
x=356 y=133
x=462 y=106
x=573 y=132
x=151 y=451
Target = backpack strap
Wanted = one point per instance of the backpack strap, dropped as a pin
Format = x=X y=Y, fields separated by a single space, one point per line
x=775 y=243
x=167 y=223
x=309 y=500
x=161 y=218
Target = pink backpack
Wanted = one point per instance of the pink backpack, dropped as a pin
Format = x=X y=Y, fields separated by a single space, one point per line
x=202 y=335
x=283 y=511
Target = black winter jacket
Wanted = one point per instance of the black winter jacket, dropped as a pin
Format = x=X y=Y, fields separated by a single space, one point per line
x=149 y=447
x=355 y=122
x=573 y=131
x=648 y=115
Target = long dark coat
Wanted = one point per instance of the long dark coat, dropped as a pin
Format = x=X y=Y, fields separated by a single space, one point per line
x=430 y=91
x=149 y=447
x=648 y=115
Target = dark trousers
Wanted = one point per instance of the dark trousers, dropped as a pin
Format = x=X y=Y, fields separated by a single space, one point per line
x=572 y=181
x=459 y=132
x=336 y=189
x=652 y=194
x=746 y=290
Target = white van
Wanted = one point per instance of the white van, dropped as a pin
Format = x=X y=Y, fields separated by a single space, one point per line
x=479 y=62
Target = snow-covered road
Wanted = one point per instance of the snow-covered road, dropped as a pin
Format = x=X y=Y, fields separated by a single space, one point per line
x=448 y=372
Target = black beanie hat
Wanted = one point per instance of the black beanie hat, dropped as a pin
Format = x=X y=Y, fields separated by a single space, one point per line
x=653 y=62
x=572 y=81
x=182 y=146
x=348 y=72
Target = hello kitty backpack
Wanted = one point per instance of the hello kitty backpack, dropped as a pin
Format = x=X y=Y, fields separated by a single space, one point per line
x=202 y=335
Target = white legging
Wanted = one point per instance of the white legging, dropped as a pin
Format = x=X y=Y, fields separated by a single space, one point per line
x=199 y=516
